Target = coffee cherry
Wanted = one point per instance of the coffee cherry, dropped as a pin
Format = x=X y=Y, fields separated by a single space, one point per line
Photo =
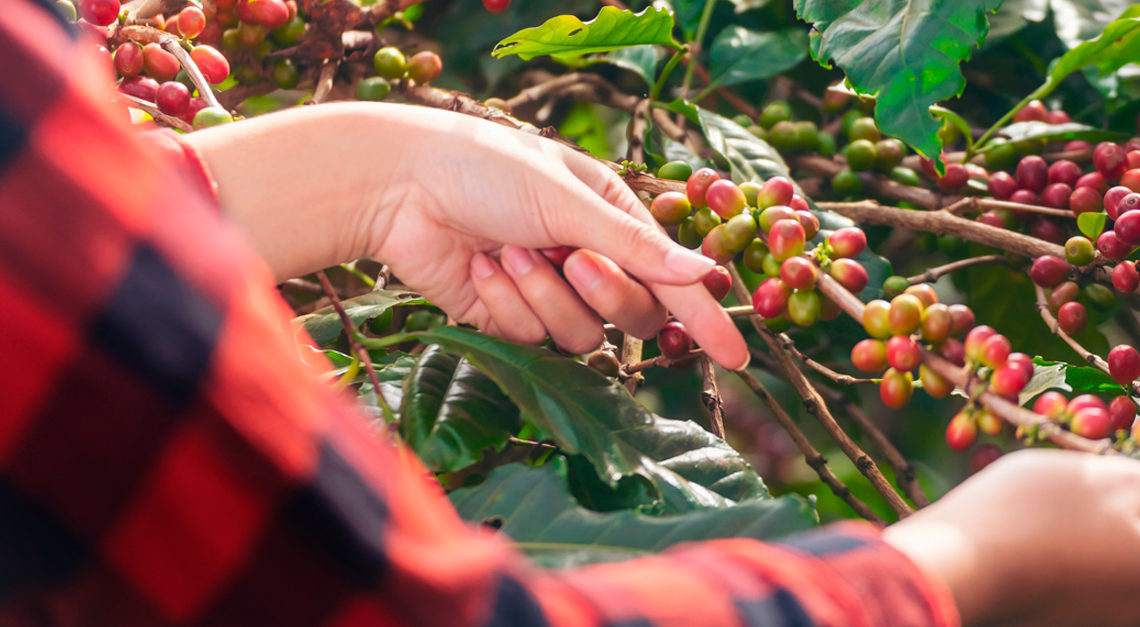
x=1131 y=179
x=751 y=191
x=211 y=116
x=962 y=432
x=1085 y=200
x=783 y=136
x=1052 y=405
x=846 y=183
x=1112 y=200
x=1079 y=250
x=924 y=292
x=390 y=63
x=1072 y=318
x=687 y=234
x=1094 y=180
x=1064 y=293
x=196 y=105
x=674 y=340
x=962 y=320
x=1124 y=364
x=888 y=154
x=725 y=198
x=955 y=178
x=775 y=112
x=807 y=220
x=804 y=307
x=715 y=247
x=905 y=314
x=989 y=423
x=1001 y=185
x=496 y=6
x=739 y=232
x=718 y=282
x=771 y=265
x=424 y=67
x=895 y=285
x=799 y=203
x=936 y=323
x=848 y=241
x=869 y=355
x=863 y=128
x=933 y=383
x=995 y=351
x=1127 y=228
x=774 y=214
x=1057 y=195
x=271 y=14
x=876 y=319
x=670 y=207
x=902 y=353
x=604 y=362
x=1112 y=246
x=1033 y=112
x=677 y=171
x=373 y=88
x=778 y=190
x=172 y=98
x=1109 y=159
x=1049 y=271
x=754 y=255
x=1022 y=362
x=1084 y=401
x=1008 y=381
x=704 y=220
x=850 y=274
x=159 y=64
x=698 y=184
x=771 y=298
x=798 y=273
x=191 y=22
x=975 y=341
x=992 y=218
x=983 y=456
x=284 y=75
x=906 y=176
x=1125 y=278
x=1048 y=230
x=99 y=12
x=213 y=64
x=1032 y=174
x=786 y=239
x=860 y=155
x=1121 y=414
x=1091 y=422
x=953 y=351
x=1057 y=117
x=896 y=388
x=129 y=59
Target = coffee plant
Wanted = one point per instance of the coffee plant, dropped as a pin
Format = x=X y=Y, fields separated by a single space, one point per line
x=926 y=226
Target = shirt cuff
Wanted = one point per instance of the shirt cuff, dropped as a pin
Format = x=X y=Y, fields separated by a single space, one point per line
x=190 y=164
x=889 y=586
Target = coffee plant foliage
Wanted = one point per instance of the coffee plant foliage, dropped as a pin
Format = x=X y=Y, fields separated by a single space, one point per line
x=910 y=193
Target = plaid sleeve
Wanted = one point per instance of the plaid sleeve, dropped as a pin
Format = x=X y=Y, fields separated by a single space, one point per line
x=165 y=458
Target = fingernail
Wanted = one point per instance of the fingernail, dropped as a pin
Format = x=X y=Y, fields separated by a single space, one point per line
x=688 y=264
x=518 y=260
x=482 y=267
x=583 y=271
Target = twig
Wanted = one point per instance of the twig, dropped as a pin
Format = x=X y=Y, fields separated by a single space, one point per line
x=710 y=396
x=660 y=361
x=354 y=343
x=171 y=44
x=630 y=355
x=904 y=472
x=325 y=81
x=158 y=116
x=974 y=205
x=877 y=183
x=813 y=457
x=385 y=9
x=937 y=272
x=844 y=379
x=818 y=407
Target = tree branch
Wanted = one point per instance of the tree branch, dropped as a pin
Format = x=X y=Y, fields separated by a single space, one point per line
x=354 y=343
x=710 y=396
x=937 y=272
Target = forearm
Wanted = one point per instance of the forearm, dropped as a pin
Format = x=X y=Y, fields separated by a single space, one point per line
x=316 y=186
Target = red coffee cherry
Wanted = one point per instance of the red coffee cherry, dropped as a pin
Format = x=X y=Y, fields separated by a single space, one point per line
x=1056 y=195
x=1085 y=200
x=902 y=353
x=1008 y=381
x=975 y=341
x=496 y=6
x=718 y=282
x=798 y=273
x=786 y=239
x=129 y=59
x=962 y=318
x=1052 y=405
x=770 y=299
x=953 y=351
x=1125 y=278
x=1066 y=292
x=159 y=64
x=1091 y=422
x=962 y=432
x=850 y=273
x=778 y=190
x=725 y=198
x=1049 y=271
x=1094 y=180
x=1001 y=185
x=1064 y=171
x=1032 y=174
x=896 y=388
x=1124 y=364
x=698 y=185
x=424 y=67
x=1109 y=159
x=1121 y=414
x=848 y=242
x=995 y=351
x=1023 y=362
x=1112 y=246
x=870 y=355
x=674 y=340
x=1072 y=317
x=1112 y=200
x=99 y=12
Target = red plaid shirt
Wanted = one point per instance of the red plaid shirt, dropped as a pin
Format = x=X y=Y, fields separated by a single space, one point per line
x=165 y=459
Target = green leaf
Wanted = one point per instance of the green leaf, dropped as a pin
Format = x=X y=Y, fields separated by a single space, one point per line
x=641 y=60
x=451 y=412
x=1045 y=377
x=567 y=37
x=905 y=53
x=1117 y=45
x=1091 y=224
x=739 y=55
x=1034 y=131
x=1084 y=379
x=391 y=371
x=324 y=324
x=583 y=125
x=535 y=509
x=587 y=413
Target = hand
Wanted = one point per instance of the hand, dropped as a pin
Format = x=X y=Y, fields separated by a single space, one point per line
x=1038 y=538
x=456 y=206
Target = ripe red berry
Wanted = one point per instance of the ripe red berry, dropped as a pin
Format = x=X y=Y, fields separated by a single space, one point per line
x=1052 y=405
x=129 y=59
x=1064 y=171
x=159 y=64
x=496 y=6
x=1008 y=381
x=1056 y=195
x=798 y=273
x=1125 y=278
x=271 y=14
x=718 y=282
x=1127 y=228
x=778 y=190
x=1085 y=200
x=213 y=64
x=983 y=456
x=1131 y=179
x=1072 y=317
x=1049 y=271
x=953 y=351
x=1132 y=157
x=1121 y=414
x=1091 y=422
x=1109 y=159
x=990 y=218
x=1112 y=246
x=770 y=299
x=1057 y=117
x=1001 y=185
x=786 y=239
x=902 y=353
x=196 y=105
x=963 y=320
x=725 y=198
x=674 y=340
x=1094 y=180
x=99 y=12
x=850 y=273
x=848 y=242
x=976 y=339
x=896 y=388
x=1048 y=230
x=1084 y=401
x=1112 y=200
x=142 y=87
x=995 y=351
x=799 y=203
x=962 y=432
x=1131 y=202
x=956 y=178
x=173 y=98
x=1066 y=292
x=191 y=22
x=1124 y=364
x=698 y=184
x=870 y=355
x=1032 y=174
x=1023 y=362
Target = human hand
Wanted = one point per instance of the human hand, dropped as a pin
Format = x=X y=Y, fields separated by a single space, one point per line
x=1038 y=538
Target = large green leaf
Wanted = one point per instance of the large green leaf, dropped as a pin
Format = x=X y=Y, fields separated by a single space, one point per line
x=584 y=412
x=568 y=37
x=451 y=412
x=324 y=325
x=534 y=508
x=739 y=55
x=1037 y=131
x=641 y=60
x=905 y=53
x=1117 y=45
x=1084 y=379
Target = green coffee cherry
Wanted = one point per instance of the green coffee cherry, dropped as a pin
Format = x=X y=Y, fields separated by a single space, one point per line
x=675 y=171
x=776 y=112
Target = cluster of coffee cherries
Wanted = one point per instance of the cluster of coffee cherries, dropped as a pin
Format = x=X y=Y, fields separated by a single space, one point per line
x=1053 y=274
x=391 y=65
x=988 y=355
x=1089 y=416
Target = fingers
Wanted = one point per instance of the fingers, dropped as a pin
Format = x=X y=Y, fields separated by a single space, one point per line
x=571 y=324
x=613 y=294
x=707 y=322
x=510 y=314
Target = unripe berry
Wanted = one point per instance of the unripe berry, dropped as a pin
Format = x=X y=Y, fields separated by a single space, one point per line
x=714 y=246
x=1049 y=271
x=1052 y=405
x=804 y=307
x=1091 y=422
x=771 y=298
x=1124 y=364
x=670 y=207
x=976 y=340
x=983 y=456
x=725 y=198
x=962 y=318
x=1079 y=250
x=1125 y=278
x=933 y=383
x=777 y=190
x=924 y=292
x=1032 y=174
x=798 y=273
x=774 y=214
x=936 y=323
x=1001 y=185
x=1100 y=295
x=988 y=422
x=604 y=362
x=1056 y=195
x=902 y=353
x=876 y=319
x=751 y=190
x=869 y=355
x=754 y=255
x=390 y=63
x=905 y=314
x=995 y=351
x=1066 y=292
x=860 y=155
x=704 y=220
x=962 y=432
x=1072 y=317
x=895 y=285
x=674 y=340
x=739 y=232
x=718 y=282
x=896 y=388
x=424 y=67
x=786 y=239
x=850 y=274
x=698 y=184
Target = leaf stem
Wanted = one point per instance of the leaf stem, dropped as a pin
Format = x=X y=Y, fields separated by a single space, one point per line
x=659 y=86
x=702 y=29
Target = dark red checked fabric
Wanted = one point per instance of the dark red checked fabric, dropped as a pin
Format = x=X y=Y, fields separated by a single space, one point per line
x=165 y=458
